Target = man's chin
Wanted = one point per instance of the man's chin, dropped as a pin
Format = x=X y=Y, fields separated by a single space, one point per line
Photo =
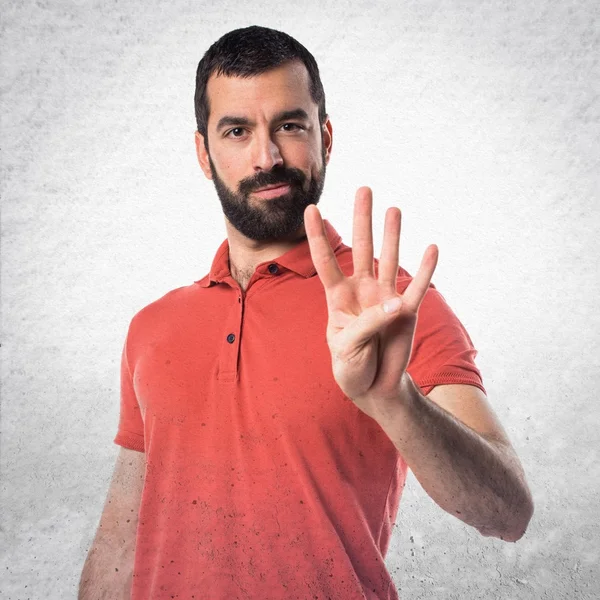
x=288 y=202
x=279 y=225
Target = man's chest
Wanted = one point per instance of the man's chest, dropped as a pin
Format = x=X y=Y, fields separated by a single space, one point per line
x=268 y=369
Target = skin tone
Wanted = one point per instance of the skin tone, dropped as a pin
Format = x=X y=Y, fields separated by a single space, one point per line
x=371 y=327
x=258 y=141
x=451 y=439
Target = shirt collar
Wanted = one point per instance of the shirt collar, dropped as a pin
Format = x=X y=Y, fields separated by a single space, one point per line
x=298 y=259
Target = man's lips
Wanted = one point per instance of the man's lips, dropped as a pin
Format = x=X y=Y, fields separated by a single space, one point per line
x=272 y=191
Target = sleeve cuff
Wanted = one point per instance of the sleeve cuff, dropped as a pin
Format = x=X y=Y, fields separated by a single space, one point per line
x=448 y=378
x=131 y=441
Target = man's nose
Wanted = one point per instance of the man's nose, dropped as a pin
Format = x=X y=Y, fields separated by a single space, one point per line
x=266 y=153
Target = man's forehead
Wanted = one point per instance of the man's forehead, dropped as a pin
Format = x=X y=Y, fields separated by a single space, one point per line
x=286 y=84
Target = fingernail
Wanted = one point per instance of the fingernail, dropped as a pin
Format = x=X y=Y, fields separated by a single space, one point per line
x=392 y=305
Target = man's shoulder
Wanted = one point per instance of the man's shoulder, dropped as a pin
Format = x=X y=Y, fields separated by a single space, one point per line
x=173 y=304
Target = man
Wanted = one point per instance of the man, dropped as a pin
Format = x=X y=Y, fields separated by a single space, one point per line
x=270 y=411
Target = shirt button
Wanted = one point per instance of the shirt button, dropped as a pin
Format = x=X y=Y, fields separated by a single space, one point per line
x=231 y=338
x=273 y=268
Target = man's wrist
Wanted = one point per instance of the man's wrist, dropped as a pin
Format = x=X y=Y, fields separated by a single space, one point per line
x=393 y=410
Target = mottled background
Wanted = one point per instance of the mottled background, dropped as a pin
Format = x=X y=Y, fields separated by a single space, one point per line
x=480 y=119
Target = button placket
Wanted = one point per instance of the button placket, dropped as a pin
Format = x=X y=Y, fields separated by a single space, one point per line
x=229 y=356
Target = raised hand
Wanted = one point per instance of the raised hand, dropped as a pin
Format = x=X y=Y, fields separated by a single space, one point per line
x=370 y=326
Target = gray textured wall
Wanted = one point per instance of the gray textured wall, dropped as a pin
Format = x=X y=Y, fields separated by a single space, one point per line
x=479 y=119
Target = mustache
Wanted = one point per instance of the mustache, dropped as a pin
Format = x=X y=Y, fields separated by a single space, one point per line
x=283 y=175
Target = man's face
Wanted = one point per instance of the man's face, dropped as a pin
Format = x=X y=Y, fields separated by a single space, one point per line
x=264 y=132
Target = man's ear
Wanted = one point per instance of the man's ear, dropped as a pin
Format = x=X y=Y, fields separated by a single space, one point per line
x=327 y=139
x=202 y=155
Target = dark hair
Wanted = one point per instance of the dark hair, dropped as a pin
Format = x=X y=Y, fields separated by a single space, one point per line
x=252 y=51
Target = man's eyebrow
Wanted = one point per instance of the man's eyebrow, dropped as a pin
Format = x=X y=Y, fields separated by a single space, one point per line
x=229 y=120
x=290 y=115
x=285 y=115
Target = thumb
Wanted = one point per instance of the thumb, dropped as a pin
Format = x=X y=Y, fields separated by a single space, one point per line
x=371 y=321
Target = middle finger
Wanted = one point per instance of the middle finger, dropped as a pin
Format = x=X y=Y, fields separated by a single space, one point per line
x=362 y=233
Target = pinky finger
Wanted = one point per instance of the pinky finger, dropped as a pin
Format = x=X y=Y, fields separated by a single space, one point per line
x=415 y=292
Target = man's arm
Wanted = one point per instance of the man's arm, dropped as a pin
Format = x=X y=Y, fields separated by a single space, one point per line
x=471 y=473
x=460 y=454
x=108 y=569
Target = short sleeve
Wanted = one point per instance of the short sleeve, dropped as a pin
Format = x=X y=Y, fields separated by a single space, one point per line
x=442 y=352
x=130 y=433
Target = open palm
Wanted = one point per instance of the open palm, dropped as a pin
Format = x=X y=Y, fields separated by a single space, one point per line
x=370 y=348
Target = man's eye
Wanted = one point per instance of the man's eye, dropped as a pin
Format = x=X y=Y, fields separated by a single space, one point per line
x=235 y=132
x=291 y=127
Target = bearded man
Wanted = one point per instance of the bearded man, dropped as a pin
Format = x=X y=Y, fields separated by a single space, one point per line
x=270 y=410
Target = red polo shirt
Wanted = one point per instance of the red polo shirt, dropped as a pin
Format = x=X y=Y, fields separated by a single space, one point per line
x=263 y=480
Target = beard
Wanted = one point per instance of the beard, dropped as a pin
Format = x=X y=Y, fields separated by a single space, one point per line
x=274 y=218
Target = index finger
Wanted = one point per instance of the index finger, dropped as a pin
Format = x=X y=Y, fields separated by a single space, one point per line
x=320 y=249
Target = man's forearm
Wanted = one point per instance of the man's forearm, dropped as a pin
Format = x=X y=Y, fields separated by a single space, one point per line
x=469 y=476
x=107 y=573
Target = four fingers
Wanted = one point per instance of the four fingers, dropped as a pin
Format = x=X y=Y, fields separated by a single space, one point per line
x=362 y=250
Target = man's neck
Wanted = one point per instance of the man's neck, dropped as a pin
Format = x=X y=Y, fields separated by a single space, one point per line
x=245 y=254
